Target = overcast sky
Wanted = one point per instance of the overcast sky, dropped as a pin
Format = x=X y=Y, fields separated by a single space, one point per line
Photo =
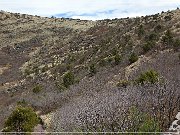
x=89 y=9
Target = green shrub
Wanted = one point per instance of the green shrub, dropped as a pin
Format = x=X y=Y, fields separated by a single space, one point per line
x=167 y=38
x=92 y=69
x=133 y=58
x=22 y=103
x=149 y=125
x=141 y=31
x=142 y=122
x=178 y=26
x=117 y=59
x=127 y=38
x=35 y=70
x=69 y=66
x=158 y=28
x=44 y=69
x=102 y=62
x=22 y=119
x=148 y=46
x=114 y=51
x=95 y=49
x=176 y=44
x=60 y=87
x=70 y=59
x=37 y=89
x=81 y=59
x=150 y=76
x=68 y=79
x=122 y=83
x=152 y=37
x=167 y=18
x=27 y=72
x=110 y=59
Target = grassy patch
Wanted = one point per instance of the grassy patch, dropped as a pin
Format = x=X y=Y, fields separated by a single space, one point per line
x=37 y=89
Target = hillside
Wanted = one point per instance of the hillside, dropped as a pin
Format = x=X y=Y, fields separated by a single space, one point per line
x=81 y=75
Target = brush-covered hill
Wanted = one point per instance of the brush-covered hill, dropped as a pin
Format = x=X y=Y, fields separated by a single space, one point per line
x=79 y=75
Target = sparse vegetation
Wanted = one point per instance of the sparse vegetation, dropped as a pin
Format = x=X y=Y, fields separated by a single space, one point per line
x=22 y=119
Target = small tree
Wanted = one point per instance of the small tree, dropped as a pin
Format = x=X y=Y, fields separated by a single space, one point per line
x=23 y=119
x=152 y=37
x=133 y=58
x=68 y=79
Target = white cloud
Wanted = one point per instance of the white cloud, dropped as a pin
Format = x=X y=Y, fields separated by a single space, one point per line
x=89 y=9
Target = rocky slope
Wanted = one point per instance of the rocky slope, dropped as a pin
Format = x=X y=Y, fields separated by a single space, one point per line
x=38 y=52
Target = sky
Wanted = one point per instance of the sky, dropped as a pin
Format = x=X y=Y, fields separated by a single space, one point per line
x=89 y=9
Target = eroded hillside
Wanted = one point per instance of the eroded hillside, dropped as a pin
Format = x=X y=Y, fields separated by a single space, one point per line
x=103 y=61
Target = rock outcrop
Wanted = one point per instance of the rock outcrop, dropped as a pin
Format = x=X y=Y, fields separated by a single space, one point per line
x=175 y=127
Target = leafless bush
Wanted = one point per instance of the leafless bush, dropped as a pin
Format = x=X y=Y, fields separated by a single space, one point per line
x=108 y=110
